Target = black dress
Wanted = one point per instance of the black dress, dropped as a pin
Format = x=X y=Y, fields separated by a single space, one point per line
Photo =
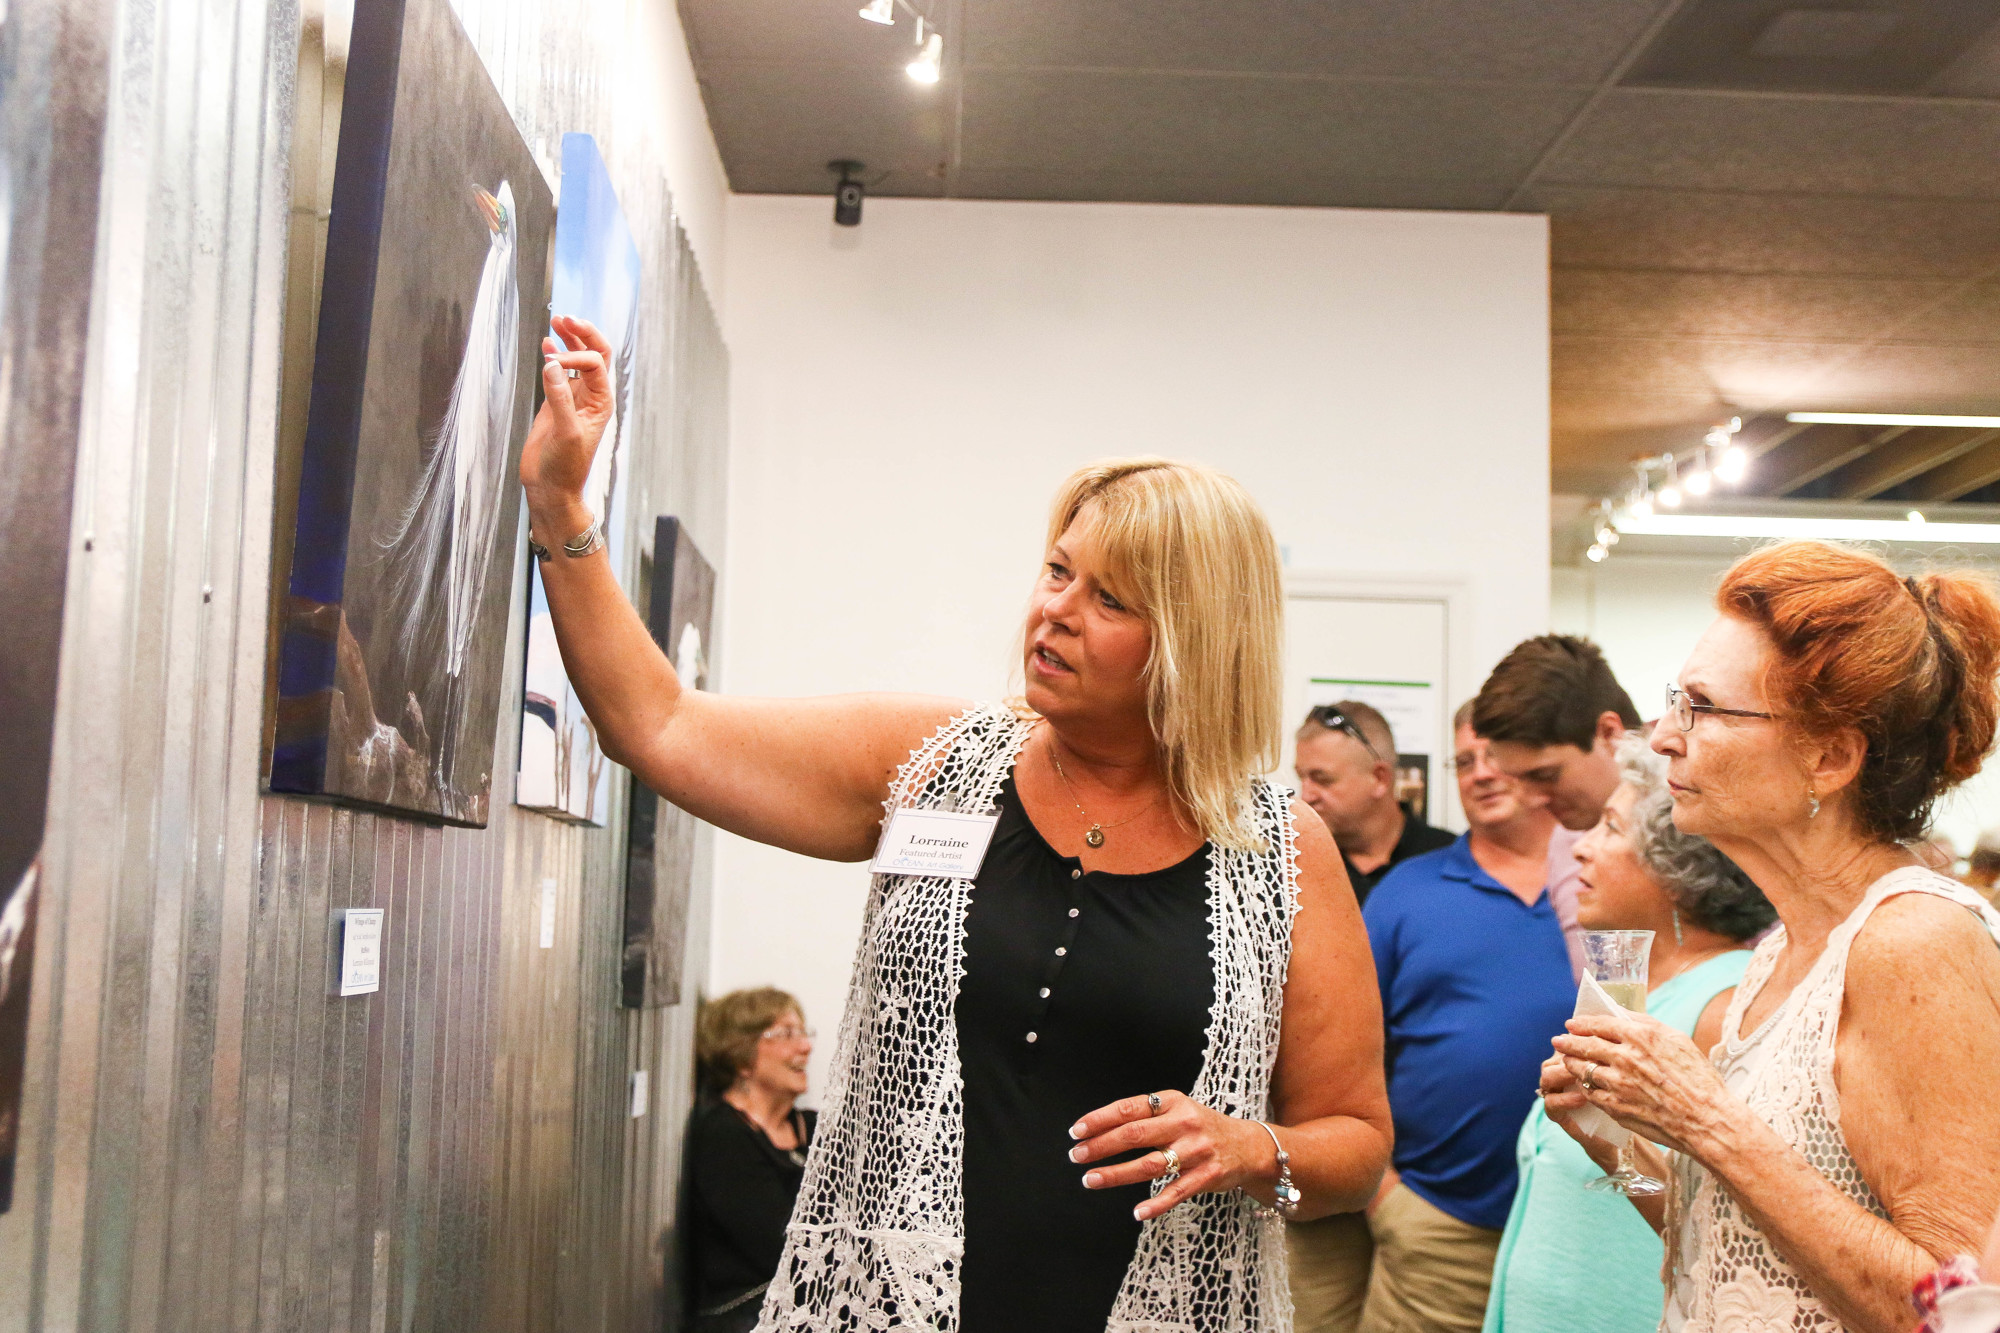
x=741 y=1189
x=1079 y=989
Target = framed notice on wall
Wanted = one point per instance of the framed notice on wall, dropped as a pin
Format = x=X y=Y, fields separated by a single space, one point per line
x=1411 y=709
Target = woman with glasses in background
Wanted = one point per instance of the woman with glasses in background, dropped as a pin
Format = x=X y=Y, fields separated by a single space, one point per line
x=746 y=1151
x=1572 y=1258
x=1842 y=1140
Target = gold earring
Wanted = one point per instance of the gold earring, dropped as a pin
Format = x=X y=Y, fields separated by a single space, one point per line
x=1812 y=804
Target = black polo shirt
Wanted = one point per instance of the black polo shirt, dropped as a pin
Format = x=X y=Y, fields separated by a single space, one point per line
x=1418 y=838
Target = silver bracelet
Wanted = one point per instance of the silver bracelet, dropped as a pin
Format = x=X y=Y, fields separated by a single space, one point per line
x=588 y=542
x=1286 y=1193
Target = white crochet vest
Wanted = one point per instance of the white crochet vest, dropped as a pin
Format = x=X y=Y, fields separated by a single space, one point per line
x=1723 y=1274
x=879 y=1230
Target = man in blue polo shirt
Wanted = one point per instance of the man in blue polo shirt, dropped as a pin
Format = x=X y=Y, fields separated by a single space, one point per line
x=1475 y=980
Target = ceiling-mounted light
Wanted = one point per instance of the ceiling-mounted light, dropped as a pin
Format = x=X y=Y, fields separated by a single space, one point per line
x=1916 y=517
x=1699 y=482
x=1734 y=465
x=1597 y=554
x=1786 y=525
x=1885 y=419
x=1670 y=496
x=928 y=67
x=1718 y=437
x=880 y=11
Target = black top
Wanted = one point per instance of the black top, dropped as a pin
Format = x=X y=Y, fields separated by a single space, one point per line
x=1418 y=838
x=741 y=1188
x=1079 y=989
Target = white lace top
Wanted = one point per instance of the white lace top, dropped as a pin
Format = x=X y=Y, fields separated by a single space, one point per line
x=1723 y=1275
x=879 y=1229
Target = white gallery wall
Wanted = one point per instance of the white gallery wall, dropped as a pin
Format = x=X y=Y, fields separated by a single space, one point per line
x=907 y=395
x=1647 y=611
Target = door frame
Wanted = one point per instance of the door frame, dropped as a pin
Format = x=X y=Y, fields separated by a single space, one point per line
x=1455 y=596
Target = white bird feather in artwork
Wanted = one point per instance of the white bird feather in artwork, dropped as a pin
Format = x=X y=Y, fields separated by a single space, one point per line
x=443 y=541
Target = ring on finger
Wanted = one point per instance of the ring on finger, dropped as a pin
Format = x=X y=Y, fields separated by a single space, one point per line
x=575 y=374
x=1173 y=1163
x=1153 y=1101
x=1589 y=1076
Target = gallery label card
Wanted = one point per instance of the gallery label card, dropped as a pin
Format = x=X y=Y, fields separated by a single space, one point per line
x=933 y=842
x=361 y=950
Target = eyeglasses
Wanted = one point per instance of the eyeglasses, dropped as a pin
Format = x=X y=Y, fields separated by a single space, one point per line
x=1684 y=709
x=787 y=1033
x=1334 y=720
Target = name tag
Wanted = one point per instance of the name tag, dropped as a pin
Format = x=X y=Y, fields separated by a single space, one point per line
x=933 y=842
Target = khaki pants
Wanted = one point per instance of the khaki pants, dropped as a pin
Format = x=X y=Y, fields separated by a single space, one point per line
x=1410 y=1268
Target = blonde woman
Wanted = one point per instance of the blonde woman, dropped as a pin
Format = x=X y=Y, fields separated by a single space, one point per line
x=1067 y=1092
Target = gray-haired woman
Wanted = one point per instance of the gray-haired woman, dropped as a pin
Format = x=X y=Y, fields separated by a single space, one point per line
x=1572 y=1258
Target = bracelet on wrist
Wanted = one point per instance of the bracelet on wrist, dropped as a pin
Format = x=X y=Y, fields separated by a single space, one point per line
x=588 y=542
x=1284 y=1191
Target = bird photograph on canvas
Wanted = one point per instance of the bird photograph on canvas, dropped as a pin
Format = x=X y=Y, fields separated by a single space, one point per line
x=394 y=657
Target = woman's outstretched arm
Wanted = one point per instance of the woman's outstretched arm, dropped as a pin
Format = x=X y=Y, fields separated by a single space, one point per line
x=808 y=775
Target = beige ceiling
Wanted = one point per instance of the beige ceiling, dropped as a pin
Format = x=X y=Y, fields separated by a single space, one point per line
x=1756 y=205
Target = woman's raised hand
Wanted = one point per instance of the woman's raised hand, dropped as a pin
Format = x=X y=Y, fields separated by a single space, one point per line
x=1649 y=1077
x=1215 y=1152
x=555 y=462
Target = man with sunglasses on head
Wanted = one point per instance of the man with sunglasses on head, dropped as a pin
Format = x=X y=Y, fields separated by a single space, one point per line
x=1346 y=765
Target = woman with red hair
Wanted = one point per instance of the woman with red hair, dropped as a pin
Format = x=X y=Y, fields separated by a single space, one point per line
x=1842 y=1141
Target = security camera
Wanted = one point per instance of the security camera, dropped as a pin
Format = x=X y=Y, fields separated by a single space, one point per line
x=848 y=194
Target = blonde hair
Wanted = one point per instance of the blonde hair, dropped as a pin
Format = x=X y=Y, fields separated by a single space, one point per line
x=1189 y=549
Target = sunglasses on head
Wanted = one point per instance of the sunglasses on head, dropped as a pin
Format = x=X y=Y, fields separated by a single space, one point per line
x=1334 y=720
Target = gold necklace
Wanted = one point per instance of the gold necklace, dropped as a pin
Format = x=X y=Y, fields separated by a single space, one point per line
x=1095 y=834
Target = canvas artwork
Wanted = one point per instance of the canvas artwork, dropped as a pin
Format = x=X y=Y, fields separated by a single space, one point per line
x=659 y=871
x=424 y=375
x=597 y=277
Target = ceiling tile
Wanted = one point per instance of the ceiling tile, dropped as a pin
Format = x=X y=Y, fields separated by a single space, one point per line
x=1499 y=40
x=1778 y=144
x=1211 y=186
x=1887 y=46
x=1163 y=124
x=1732 y=305
x=1970 y=315
x=1907 y=377
x=1769 y=233
x=784 y=123
x=788 y=32
x=1746 y=373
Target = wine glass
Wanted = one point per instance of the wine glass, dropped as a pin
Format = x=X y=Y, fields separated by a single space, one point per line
x=1618 y=958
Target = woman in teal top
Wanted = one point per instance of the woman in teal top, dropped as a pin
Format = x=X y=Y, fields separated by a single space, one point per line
x=1573 y=1260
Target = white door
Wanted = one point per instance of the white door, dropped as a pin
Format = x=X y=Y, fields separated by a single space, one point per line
x=1391 y=650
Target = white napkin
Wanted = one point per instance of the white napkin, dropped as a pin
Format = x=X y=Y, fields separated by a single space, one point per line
x=1969 y=1309
x=1592 y=999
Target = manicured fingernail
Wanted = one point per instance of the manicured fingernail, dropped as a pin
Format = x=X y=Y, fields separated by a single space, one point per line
x=1077 y=1154
x=1091 y=1180
x=1139 y=1213
x=1076 y=1130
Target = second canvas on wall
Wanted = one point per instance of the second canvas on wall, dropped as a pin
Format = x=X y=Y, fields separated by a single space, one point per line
x=597 y=277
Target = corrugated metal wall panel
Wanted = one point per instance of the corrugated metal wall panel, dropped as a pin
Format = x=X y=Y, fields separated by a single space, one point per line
x=213 y=1140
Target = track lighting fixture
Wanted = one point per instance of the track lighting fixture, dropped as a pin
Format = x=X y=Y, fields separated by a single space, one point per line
x=880 y=11
x=928 y=67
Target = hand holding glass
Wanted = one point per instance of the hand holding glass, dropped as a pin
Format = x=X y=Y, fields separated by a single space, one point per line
x=1618 y=958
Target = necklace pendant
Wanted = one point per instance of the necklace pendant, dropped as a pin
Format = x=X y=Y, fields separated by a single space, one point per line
x=1095 y=837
